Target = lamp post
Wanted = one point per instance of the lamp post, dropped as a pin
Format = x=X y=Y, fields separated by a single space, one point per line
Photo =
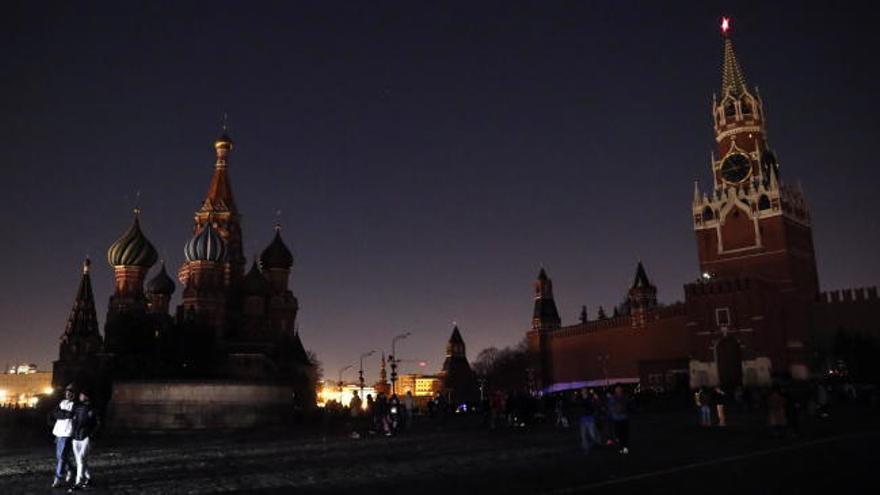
x=341 y=371
x=394 y=359
x=603 y=359
x=361 y=372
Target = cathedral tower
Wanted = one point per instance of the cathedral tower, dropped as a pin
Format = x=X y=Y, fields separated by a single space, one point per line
x=219 y=206
x=750 y=223
x=204 y=294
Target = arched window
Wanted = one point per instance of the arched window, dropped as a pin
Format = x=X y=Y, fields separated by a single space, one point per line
x=747 y=107
x=763 y=202
x=729 y=109
x=707 y=213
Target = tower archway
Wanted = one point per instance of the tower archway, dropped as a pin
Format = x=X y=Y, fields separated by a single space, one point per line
x=728 y=357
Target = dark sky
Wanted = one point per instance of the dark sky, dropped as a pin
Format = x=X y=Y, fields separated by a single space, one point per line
x=426 y=157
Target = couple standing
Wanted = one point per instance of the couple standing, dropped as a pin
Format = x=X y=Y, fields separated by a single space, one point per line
x=74 y=425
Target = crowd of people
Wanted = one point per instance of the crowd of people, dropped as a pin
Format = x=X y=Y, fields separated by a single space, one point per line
x=601 y=416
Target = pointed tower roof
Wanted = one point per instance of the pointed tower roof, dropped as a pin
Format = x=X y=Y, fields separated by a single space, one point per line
x=732 y=77
x=455 y=338
x=83 y=320
x=219 y=197
x=641 y=279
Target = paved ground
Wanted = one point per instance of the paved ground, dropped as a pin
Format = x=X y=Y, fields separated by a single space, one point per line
x=669 y=455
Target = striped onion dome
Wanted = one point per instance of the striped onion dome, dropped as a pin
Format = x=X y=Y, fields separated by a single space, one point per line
x=161 y=283
x=133 y=248
x=207 y=245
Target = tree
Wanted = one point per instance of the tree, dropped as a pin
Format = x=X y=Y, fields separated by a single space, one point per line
x=504 y=369
x=602 y=315
x=583 y=316
x=317 y=367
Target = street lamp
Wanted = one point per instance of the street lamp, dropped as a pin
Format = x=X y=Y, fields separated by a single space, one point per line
x=341 y=371
x=361 y=372
x=603 y=359
x=394 y=359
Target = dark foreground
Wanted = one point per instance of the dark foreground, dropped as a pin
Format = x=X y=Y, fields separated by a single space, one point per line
x=669 y=455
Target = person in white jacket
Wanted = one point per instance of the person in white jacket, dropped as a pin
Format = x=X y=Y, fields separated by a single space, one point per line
x=63 y=429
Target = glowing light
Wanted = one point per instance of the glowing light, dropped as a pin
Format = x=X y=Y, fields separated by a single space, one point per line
x=725 y=24
x=707 y=275
x=48 y=390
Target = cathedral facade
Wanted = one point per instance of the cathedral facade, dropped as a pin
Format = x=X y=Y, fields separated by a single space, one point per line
x=231 y=325
x=756 y=313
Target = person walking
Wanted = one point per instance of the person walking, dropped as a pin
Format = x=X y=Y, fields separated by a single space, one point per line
x=354 y=406
x=85 y=423
x=719 y=397
x=588 y=433
x=618 y=405
x=62 y=430
x=409 y=404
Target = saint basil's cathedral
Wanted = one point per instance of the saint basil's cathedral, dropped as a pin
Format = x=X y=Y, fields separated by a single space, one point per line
x=230 y=325
x=755 y=315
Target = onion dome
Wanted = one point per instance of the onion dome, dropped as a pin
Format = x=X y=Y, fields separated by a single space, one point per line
x=254 y=282
x=277 y=255
x=133 y=248
x=161 y=283
x=224 y=141
x=207 y=245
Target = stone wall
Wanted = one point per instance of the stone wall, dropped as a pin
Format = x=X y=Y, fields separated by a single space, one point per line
x=193 y=405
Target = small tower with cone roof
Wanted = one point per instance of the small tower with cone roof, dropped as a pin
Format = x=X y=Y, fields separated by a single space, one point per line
x=81 y=341
x=458 y=381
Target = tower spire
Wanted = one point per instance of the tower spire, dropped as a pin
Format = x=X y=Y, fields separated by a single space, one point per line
x=732 y=78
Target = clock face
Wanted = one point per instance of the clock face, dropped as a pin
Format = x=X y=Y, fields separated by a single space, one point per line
x=735 y=168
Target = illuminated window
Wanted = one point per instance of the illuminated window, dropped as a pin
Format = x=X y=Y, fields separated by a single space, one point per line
x=722 y=317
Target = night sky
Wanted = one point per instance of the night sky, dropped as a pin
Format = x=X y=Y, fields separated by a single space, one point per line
x=426 y=158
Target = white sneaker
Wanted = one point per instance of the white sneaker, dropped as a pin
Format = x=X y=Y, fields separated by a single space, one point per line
x=624 y=451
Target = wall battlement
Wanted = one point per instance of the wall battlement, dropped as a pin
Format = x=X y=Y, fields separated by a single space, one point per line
x=720 y=286
x=859 y=294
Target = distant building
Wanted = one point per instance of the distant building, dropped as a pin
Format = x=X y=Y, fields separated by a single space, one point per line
x=24 y=385
x=755 y=314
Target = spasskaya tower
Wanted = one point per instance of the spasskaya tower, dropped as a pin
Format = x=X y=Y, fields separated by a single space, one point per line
x=751 y=223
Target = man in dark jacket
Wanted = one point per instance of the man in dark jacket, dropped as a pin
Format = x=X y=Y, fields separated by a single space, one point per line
x=85 y=423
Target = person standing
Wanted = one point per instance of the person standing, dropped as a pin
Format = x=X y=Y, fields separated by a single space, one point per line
x=62 y=430
x=719 y=397
x=85 y=423
x=618 y=404
x=355 y=411
x=776 y=410
x=701 y=398
x=409 y=404
x=587 y=422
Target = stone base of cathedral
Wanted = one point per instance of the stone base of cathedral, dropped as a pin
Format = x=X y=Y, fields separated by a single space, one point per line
x=197 y=405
